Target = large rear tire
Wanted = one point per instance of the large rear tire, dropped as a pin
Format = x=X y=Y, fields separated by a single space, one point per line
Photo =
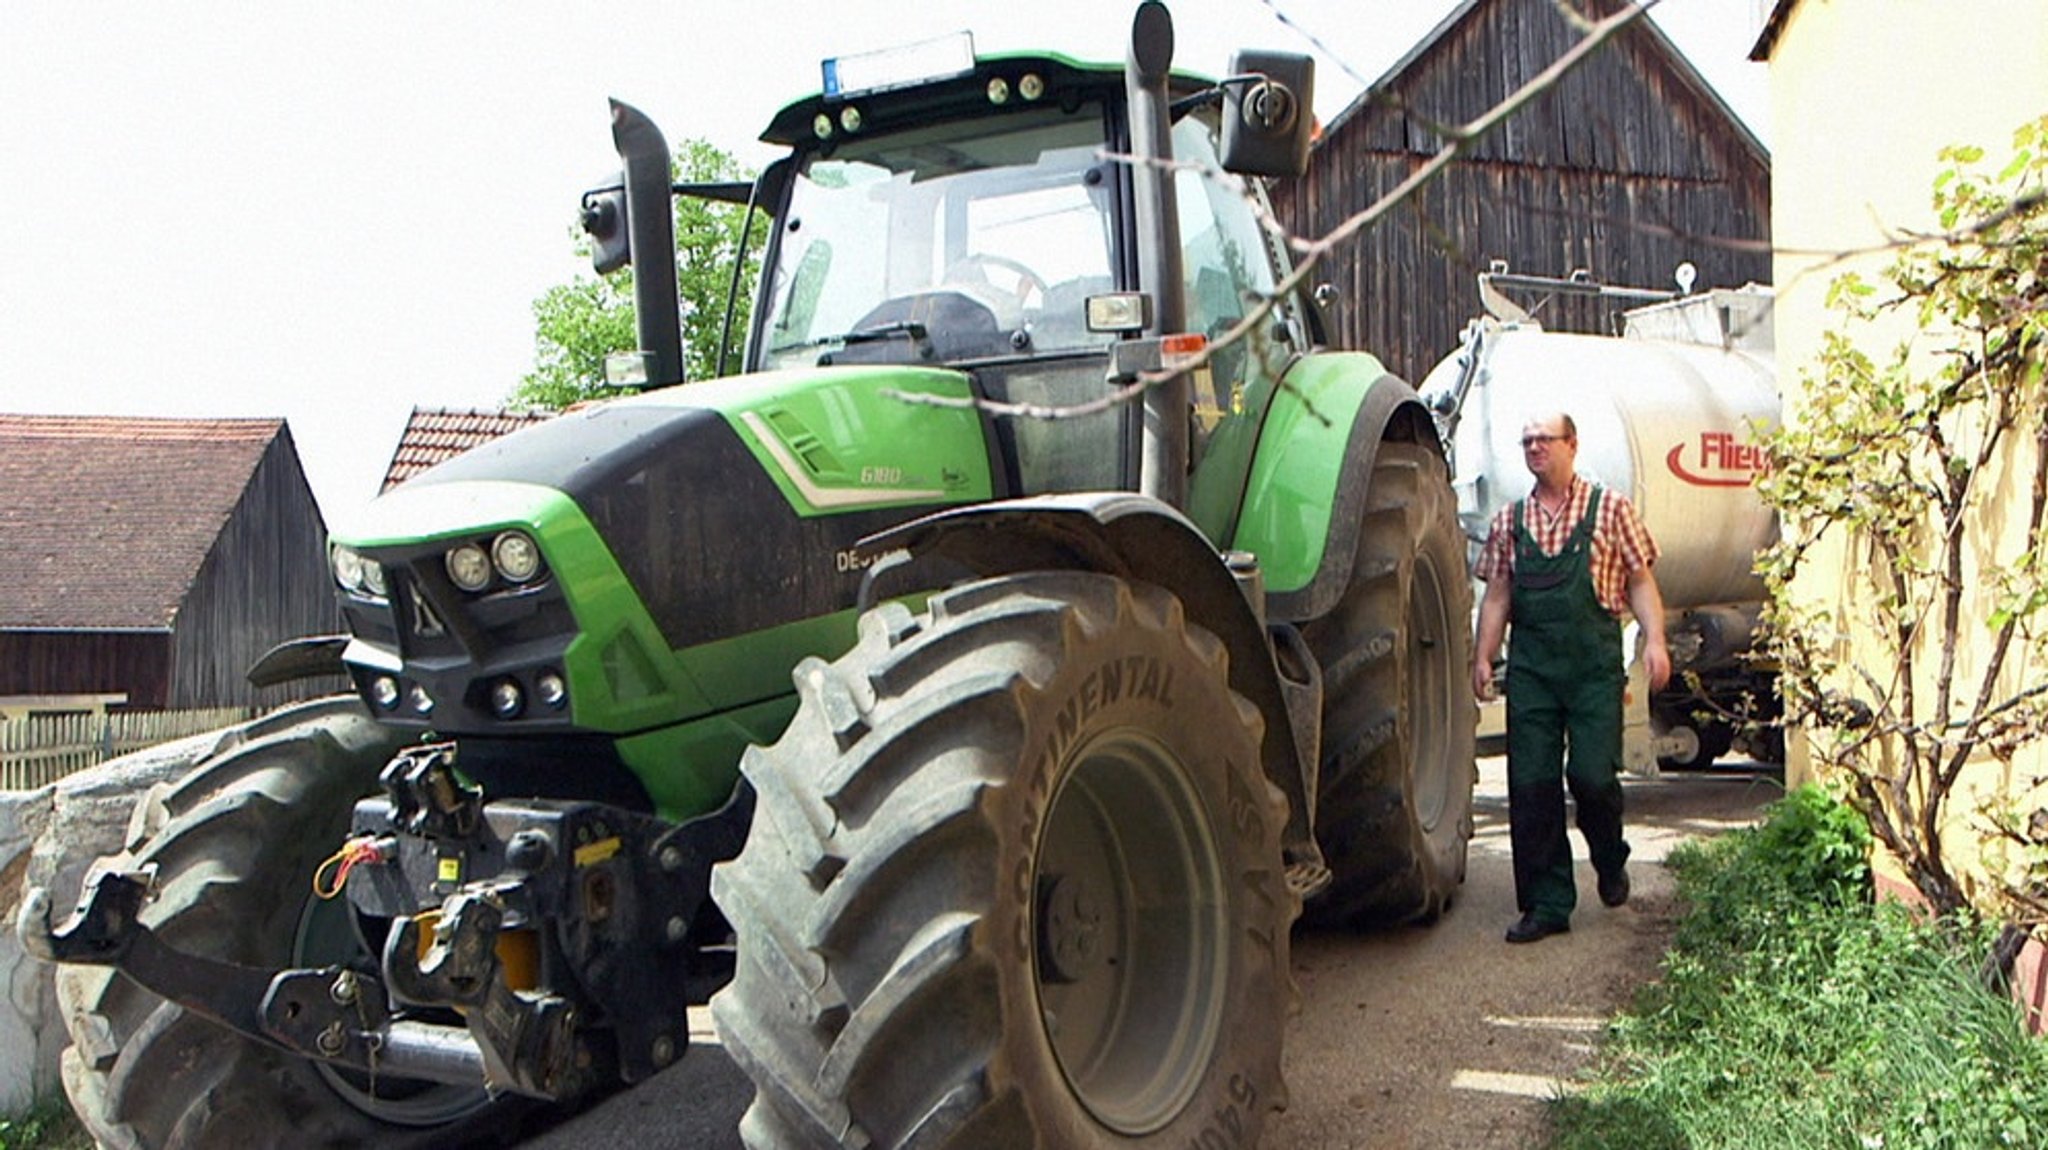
x=1394 y=793
x=1014 y=880
x=234 y=845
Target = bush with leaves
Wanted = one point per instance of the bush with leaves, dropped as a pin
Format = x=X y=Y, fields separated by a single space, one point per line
x=1795 y=1013
x=1912 y=482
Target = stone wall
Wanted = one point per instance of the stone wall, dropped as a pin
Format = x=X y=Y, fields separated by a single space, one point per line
x=49 y=837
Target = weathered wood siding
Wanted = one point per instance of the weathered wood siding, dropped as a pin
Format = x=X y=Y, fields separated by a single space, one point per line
x=264 y=582
x=137 y=663
x=1627 y=168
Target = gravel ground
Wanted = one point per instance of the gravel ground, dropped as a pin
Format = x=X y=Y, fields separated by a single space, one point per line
x=1438 y=1038
x=1446 y=1037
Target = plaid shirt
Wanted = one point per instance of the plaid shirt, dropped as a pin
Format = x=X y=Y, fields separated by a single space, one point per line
x=1621 y=543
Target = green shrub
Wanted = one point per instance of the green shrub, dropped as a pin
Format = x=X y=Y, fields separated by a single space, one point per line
x=49 y=1126
x=1794 y=1013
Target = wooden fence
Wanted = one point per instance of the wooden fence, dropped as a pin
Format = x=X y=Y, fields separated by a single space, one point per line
x=44 y=748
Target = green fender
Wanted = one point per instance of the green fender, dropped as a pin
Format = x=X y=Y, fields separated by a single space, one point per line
x=1306 y=488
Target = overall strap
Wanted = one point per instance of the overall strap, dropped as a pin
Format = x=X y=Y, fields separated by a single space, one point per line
x=1583 y=531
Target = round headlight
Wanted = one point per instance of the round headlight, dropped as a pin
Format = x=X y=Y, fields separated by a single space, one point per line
x=507 y=700
x=552 y=689
x=469 y=568
x=348 y=568
x=421 y=701
x=373 y=578
x=384 y=691
x=517 y=556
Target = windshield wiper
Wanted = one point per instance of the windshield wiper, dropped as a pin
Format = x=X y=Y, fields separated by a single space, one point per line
x=907 y=328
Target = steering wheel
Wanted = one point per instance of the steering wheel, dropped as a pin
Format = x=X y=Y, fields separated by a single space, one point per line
x=975 y=266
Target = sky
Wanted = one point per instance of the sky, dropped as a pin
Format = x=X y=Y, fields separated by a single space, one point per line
x=335 y=212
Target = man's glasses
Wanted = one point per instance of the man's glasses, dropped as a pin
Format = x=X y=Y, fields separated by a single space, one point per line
x=1529 y=441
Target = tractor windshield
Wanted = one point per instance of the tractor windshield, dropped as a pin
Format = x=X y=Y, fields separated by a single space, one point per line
x=958 y=241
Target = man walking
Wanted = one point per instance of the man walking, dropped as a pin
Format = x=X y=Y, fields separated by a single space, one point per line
x=1561 y=566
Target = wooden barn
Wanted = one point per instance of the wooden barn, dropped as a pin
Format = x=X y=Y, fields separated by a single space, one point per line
x=1627 y=168
x=150 y=562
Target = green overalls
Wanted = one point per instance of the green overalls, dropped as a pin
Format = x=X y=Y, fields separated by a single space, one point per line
x=1563 y=690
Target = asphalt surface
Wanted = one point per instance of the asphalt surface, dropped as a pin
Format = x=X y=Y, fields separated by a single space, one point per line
x=1438 y=1038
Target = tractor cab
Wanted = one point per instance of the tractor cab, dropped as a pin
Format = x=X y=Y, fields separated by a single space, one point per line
x=984 y=214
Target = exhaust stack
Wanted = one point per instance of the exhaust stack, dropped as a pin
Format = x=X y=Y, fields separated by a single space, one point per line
x=634 y=223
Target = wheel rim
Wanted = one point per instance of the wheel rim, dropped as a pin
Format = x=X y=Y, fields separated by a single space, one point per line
x=328 y=936
x=1429 y=694
x=1130 y=926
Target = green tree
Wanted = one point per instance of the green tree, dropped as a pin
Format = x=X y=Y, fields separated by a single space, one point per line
x=579 y=323
x=1921 y=474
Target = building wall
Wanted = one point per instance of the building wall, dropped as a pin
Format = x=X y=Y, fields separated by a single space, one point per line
x=134 y=663
x=264 y=582
x=1625 y=169
x=1864 y=95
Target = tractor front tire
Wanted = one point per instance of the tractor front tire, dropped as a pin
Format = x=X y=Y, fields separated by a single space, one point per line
x=234 y=845
x=1014 y=880
x=1394 y=792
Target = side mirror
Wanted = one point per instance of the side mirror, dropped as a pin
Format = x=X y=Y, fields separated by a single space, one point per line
x=1268 y=113
x=604 y=221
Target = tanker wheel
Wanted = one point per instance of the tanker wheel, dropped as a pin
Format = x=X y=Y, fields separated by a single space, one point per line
x=1014 y=880
x=1712 y=739
x=235 y=844
x=1394 y=795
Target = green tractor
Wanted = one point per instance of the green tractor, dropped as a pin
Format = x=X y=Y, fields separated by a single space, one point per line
x=964 y=701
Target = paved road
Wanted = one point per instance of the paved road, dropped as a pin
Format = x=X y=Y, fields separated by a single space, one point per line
x=1442 y=1038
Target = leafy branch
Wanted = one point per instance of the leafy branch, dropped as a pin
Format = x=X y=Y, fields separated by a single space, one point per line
x=1916 y=483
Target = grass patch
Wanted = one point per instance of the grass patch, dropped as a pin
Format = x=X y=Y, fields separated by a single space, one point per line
x=1793 y=1013
x=49 y=1126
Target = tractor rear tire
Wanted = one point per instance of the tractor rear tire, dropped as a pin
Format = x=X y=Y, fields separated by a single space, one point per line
x=1014 y=880
x=1394 y=791
x=234 y=845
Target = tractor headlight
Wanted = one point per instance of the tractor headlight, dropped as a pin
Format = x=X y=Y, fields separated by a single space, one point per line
x=384 y=692
x=373 y=578
x=468 y=567
x=516 y=556
x=348 y=568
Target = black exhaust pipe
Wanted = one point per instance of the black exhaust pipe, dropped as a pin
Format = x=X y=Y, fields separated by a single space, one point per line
x=651 y=242
x=1164 y=448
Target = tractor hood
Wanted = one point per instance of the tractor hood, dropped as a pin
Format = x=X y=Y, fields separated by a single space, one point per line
x=570 y=576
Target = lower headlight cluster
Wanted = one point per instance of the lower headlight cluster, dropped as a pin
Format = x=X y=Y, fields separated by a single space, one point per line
x=505 y=697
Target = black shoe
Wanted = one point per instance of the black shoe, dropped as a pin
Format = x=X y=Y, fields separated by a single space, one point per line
x=1614 y=888
x=1533 y=929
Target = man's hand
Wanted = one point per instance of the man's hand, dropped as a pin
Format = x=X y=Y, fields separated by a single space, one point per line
x=1493 y=627
x=1657 y=663
x=1648 y=607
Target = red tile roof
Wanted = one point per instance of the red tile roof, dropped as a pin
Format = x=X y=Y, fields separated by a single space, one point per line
x=436 y=435
x=105 y=520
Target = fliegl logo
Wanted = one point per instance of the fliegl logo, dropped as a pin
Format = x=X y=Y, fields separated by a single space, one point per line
x=1716 y=459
